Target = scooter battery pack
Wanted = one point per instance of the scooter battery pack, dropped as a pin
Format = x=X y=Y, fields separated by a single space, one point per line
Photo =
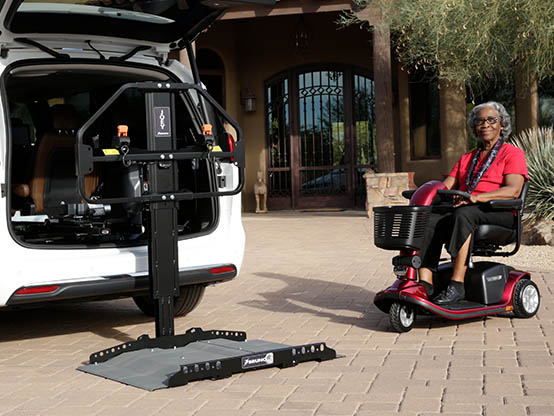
x=486 y=281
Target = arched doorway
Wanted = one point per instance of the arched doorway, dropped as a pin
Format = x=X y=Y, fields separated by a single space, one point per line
x=320 y=131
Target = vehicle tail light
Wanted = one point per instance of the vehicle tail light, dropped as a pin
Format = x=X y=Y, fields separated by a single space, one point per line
x=231 y=146
x=223 y=269
x=36 y=289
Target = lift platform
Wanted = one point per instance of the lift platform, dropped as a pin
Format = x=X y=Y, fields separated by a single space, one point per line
x=170 y=360
x=196 y=355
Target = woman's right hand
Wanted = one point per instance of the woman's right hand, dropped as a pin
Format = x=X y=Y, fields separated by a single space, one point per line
x=458 y=200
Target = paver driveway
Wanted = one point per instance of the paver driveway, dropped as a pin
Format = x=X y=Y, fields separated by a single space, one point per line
x=306 y=277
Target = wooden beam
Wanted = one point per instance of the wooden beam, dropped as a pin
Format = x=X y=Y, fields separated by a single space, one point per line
x=284 y=8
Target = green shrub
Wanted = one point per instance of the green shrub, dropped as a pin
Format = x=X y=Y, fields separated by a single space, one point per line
x=538 y=145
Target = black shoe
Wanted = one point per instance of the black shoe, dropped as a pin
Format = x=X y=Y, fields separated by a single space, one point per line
x=452 y=294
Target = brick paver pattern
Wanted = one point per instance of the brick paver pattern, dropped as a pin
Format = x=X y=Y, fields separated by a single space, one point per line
x=306 y=277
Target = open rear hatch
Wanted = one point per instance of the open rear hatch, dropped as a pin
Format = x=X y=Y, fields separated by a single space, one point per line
x=164 y=24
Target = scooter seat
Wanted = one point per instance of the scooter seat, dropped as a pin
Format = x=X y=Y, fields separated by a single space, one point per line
x=495 y=234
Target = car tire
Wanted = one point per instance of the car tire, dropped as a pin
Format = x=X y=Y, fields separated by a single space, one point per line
x=186 y=302
x=526 y=299
x=402 y=316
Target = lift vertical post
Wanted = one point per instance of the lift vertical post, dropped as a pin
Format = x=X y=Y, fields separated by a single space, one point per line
x=162 y=179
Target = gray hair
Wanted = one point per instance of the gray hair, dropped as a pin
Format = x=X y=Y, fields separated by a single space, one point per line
x=505 y=120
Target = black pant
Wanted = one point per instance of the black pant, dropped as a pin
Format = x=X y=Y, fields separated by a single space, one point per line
x=452 y=227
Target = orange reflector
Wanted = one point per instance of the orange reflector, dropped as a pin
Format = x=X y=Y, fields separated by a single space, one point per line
x=221 y=270
x=122 y=130
x=206 y=129
x=36 y=289
x=509 y=308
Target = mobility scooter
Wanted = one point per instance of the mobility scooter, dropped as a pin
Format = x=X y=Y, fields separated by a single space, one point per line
x=491 y=288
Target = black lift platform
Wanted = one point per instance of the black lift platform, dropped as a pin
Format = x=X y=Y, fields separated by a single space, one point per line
x=196 y=355
x=173 y=360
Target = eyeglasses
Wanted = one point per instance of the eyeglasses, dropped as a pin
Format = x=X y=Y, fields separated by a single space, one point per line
x=480 y=121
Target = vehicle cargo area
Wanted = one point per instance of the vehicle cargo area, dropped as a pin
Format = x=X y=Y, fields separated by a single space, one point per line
x=48 y=104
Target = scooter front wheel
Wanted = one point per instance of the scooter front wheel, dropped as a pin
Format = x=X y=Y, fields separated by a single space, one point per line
x=526 y=299
x=402 y=316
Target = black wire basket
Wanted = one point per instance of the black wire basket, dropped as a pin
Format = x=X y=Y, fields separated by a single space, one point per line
x=400 y=227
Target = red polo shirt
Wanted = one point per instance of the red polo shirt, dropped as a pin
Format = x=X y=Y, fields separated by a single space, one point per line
x=509 y=160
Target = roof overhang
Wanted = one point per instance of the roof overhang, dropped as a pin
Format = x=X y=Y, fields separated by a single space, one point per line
x=288 y=7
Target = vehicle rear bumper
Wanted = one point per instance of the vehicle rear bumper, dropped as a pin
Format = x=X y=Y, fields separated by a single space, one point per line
x=119 y=285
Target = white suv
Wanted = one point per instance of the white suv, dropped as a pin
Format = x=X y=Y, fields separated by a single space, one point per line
x=75 y=81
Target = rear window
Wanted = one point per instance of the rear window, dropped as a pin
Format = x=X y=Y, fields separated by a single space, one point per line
x=169 y=21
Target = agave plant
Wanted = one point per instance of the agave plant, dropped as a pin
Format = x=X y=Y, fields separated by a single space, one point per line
x=538 y=145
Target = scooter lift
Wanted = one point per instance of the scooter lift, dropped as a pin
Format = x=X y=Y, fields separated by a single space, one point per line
x=169 y=360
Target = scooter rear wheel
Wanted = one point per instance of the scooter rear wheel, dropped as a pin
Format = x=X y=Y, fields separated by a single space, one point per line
x=402 y=316
x=526 y=299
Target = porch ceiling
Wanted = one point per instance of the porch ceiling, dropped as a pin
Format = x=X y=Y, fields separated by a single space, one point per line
x=288 y=7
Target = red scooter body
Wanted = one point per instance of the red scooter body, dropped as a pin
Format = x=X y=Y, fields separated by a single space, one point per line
x=410 y=291
x=406 y=296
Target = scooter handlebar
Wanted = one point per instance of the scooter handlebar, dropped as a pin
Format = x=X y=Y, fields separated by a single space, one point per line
x=454 y=192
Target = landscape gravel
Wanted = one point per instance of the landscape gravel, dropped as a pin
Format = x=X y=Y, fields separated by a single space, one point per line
x=531 y=258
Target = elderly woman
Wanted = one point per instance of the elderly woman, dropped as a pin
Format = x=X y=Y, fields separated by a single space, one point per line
x=494 y=170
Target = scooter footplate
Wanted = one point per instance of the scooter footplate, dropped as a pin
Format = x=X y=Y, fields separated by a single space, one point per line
x=463 y=304
x=156 y=368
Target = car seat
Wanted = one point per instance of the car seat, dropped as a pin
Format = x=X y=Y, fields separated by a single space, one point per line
x=53 y=184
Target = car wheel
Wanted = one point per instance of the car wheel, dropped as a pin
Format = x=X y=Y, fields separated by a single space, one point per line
x=186 y=302
x=526 y=299
x=402 y=316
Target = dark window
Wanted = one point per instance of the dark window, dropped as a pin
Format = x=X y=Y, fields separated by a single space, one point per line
x=212 y=74
x=425 y=119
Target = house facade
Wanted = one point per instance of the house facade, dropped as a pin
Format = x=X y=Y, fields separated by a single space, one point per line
x=320 y=104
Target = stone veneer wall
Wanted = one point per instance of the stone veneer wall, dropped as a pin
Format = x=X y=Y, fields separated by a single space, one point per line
x=386 y=189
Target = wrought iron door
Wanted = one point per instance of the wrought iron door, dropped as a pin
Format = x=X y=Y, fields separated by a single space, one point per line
x=324 y=160
x=320 y=129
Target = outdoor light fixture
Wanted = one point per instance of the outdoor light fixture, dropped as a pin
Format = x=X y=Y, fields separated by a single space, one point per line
x=248 y=99
x=302 y=37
